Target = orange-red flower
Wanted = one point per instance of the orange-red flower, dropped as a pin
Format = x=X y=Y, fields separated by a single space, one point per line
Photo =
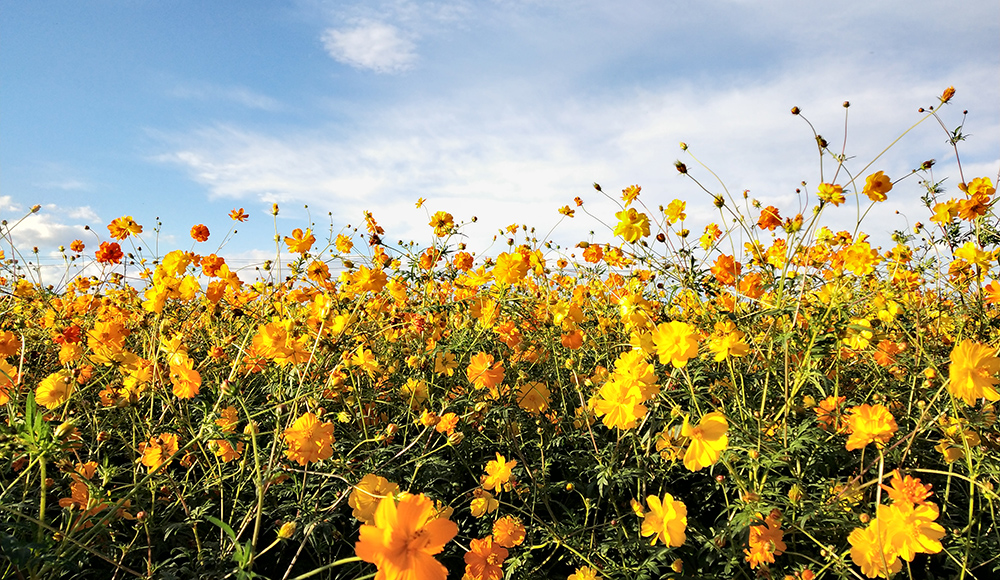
x=769 y=219
x=239 y=215
x=109 y=253
x=199 y=233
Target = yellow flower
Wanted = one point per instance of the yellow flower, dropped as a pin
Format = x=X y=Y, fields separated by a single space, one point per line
x=972 y=368
x=911 y=529
x=707 y=440
x=831 y=193
x=309 y=440
x=869 y=424
x=442 y=222
x=55 y=389
x=666 y=520
x=872 y=552
x=877 y=185
x=404 y=538
x=498 y=472
x=483 y=503
x=367 y=494
x=675 y=342
x=583 y=573
x=620 y=404
x=534 y=397
x=675 y=211
x=632 y=225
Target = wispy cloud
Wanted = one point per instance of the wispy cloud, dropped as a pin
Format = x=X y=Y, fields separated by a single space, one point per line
x=371 y=45
x=233 y=94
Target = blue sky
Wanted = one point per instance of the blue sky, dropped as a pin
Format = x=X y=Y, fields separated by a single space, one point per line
x=504 y=109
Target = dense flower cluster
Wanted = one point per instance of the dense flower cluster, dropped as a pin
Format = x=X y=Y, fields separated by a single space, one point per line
x=750 y=393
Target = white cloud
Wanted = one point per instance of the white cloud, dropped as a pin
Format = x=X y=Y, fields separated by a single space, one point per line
x=511 y=157
x=371 y=45
x=234 y=94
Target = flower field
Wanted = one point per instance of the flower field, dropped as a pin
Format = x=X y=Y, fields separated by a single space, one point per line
x=764 y=397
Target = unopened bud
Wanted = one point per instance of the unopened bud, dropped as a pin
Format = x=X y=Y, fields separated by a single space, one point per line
x=287 y=530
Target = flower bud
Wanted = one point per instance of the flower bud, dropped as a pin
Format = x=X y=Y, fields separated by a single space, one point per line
x=287 y=530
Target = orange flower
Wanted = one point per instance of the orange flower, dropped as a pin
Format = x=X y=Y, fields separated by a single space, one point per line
x=482 y=373
x=869 y=424
x=122 y=228
x=726 y=269
x=185 y=379
x=484 y=560
x=239 y=215
x=300 y=242
x=404 y=538
x=498 y=472
x=309 y=440
x=769 y=218
x=158 y=450
x=109 y=253
x=765 y=541
x=77 y=246
x=907 y=490
x=828 y=413
x=972 y=368
x=199 y=233
x=508 y=532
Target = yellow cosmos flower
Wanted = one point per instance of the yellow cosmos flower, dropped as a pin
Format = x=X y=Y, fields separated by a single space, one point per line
x=300 y=242
x=877 y=185
x=675 y=342
x=367 y=494
x=973 y=366
x=632 y=225
x=55 y=389
x=870 y=424
x=666 y=520
x=707 y=440
x=498 y=472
